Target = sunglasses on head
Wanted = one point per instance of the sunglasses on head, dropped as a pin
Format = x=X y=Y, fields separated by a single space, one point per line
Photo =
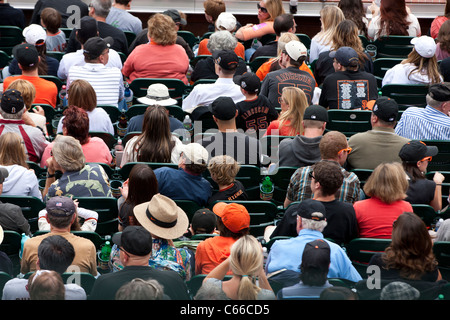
x=345 y=149
x=261 y=8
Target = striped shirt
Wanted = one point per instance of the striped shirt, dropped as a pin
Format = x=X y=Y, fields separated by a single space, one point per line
x=299 y=187
x=424 y=124
x=106 y=81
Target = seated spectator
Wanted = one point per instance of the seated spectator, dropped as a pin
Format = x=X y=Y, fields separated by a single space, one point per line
x=68 y=157
x=61 y=214
x=146 y=61
x=11 y=16
x=46 y=285
x=255 y=112
x=56 y=254
x=398 y=290
x=303 y=150
x=420 y=67
x=233 y=222
x=139 y=289
x=203 y=221
x=443 y=42
x=415 y=157
x=157 y=94
x=355 y=10
x=21 y=181
x=213 y=8
x=82 y=94
x=156 y=143
x=186 y=182
x=120 y=18
x=76 y=124
x=56 y=38
x=223 y=170
x=338 y=293
x=63 y=8
x=386 y=188
x=314 y=267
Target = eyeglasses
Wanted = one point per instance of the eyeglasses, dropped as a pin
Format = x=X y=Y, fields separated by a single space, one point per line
x=427 y=159
x=264 y=10
x=311 y=175
x=346 y=149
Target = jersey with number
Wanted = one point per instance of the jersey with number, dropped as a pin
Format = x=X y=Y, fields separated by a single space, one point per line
x=275 y=81
x=255 y=114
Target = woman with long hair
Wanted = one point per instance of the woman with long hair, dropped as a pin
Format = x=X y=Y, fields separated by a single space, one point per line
x=410 y=254
x=246 y=263
x=420 y=67
x=354 y=10
x=443 y=42
x=156 y=143
x=293 y=106
x=21 y=180
x=394 y=19
x=386 y=188
x=439 y=20
x=140 y=187
x=346 y=35
x=330 y=17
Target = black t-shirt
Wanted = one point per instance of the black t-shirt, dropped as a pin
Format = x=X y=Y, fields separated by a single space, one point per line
x=234 y=192
x=10 y=16
x=255 y=114
x=420 y=191
x=61 y=6
x=341 y=221
x=205 y=69
x=348 y=90
x=267 y=50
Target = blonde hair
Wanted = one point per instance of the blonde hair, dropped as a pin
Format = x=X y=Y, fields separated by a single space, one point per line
x=331 y=16
x=274 y=8
x=428 y=66
x=27 y=90
x=223 y=169
x=387 y=182
x=12 y=150
x=161 y=29
x=283 y=40
x=68 y=153
x=246 y=260
x=297 y=101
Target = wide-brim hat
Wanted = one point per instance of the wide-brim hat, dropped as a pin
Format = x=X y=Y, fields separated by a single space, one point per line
x=162 y=217
x=158 y=94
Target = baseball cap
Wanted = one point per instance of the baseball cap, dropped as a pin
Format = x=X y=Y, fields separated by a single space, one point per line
x=316 y=112
x=26 y=54
x=60 y=206
x=12 y=101
x=226 y=59
x=346 y=56
x=195 y=153
x=87 y=28
x=3 y=175
x=316 y=254
x=175 y=15
x=234 y=215
x=226 y=21
x=249 y=82
x=34 y=34
x=439 y=92
x=386 y=109
x=311 y=209
x=95 y=46
x=424 y=45
x=295 y=49
x=416 y=150
x=204 y=219
x=223 y=108
x=135 y=240
x=399 y=290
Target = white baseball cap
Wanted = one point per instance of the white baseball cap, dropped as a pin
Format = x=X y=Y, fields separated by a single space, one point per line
x=425 y=46
x=33 y=33
x=226 y=21
x=295 y=49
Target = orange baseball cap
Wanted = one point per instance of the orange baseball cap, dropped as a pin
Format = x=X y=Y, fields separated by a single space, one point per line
x=234 y=216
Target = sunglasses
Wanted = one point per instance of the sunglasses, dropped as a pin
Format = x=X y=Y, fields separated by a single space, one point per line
x=427 y=159
x=264 y=10
x=311 y=175
x=346 y=149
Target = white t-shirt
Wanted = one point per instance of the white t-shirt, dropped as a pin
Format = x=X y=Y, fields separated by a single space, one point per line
x=404 y=74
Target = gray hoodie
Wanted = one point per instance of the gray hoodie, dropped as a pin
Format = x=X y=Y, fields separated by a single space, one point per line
x=299 y=151
x=21 y=182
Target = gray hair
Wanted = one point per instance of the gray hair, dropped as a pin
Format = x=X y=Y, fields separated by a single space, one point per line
x=313 y=224
x=221 y=40
x=68 y=153
x=210 y=291
x=101 y=7
x=139 y=289
x=12 y=116
x=434 y=103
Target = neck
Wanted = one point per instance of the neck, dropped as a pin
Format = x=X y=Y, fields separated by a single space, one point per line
x=120 y=6
x=320 y=197
x=136 y=261
x=102 y=19
x=227 y=127
x=224 y=186
x=31 y=73
x=59 y=230
x=313 y=132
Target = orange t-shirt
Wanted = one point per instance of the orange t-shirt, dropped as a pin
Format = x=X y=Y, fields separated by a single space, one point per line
x=264 y=69
x=46 y=91
x=203 y=49
x=212 y=252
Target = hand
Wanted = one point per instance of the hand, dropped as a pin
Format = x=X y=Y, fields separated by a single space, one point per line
x=51 y=165
x=38 y=110
x=124 y=189
x=438 y=178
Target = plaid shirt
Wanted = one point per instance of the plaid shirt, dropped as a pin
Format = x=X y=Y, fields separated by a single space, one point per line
x=300 y=186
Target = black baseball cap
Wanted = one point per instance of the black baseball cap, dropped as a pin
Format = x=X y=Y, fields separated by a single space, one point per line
x=135 y=240
x=4 y=173
x=204 y=219
x=386 y=109
x=415 y=150
x=26 y=54
x=316 y=112
x=316 y=254
x=249 y=81
x=223 y=108
x=60 y=206
x=226 y=59
x=12 y=101
x=311 y=209
x=176 y=17
x=346 y=56
x=95 y=46
x=439 y=92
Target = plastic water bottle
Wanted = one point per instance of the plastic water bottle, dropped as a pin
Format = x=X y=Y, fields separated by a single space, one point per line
x=266 y=189
x=63 y=96
x=438 y=224
x=22 y=242
x=118 y=152
x=187 y=123
x=128 y=95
